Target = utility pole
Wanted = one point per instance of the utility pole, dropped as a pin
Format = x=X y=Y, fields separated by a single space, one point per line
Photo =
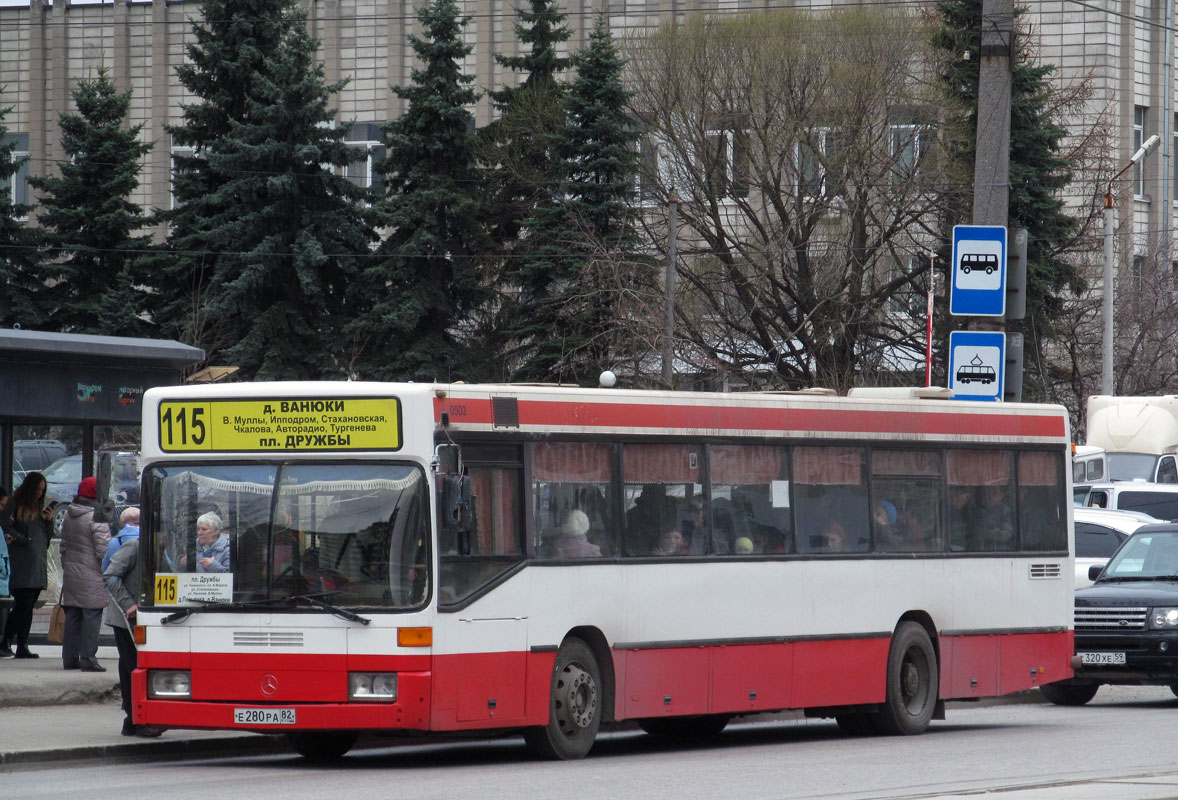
x=991 y=189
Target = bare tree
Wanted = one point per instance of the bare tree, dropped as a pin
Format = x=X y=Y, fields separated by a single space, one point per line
x=802 y=148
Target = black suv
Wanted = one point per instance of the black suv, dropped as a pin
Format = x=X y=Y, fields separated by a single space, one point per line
x=1127 y=621
x=34 y=455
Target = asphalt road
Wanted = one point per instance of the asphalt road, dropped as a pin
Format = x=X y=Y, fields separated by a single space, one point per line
x=1119 y=746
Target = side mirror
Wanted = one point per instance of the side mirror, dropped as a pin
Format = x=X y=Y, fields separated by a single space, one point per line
x=104 y=507
x=1094 y=571
x=455 y=509
x=449 y=459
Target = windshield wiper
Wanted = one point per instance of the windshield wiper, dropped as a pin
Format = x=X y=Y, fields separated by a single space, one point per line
x=210 y=605
x=318 y=601
x=269 y=602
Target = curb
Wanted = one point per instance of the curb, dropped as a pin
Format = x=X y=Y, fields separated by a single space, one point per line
x=141 y=750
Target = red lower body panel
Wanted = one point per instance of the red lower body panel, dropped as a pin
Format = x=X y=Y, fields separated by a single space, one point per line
x=500 y=690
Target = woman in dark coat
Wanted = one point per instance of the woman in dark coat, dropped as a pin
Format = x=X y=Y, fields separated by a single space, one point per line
x=83 y=595
x=28 y=529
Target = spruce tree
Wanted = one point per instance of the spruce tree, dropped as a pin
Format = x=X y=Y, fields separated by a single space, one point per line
x=1038 y=171
x=89 y=220
x=20 y=278
x=426 y=287
x=520 y=168
x=267 y=233
x=582 y=242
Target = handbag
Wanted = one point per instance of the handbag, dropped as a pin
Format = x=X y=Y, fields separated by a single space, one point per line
x=56 y=633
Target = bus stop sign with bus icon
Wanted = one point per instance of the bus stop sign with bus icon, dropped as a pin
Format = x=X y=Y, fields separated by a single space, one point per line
x=978 y=287
x=976 y=362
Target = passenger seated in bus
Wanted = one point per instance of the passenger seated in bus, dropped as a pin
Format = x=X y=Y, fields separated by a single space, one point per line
x=212 y=549
x=887 y=533
x=743 y=546
x=693 y=528
x=771 y=540
x=833 y=538
x=997 y=519
x=571 y=538
x=671 y=544
x=645 y=519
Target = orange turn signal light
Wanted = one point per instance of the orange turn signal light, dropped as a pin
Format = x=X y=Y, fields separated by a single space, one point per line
x=140 y=634
x=415 y=637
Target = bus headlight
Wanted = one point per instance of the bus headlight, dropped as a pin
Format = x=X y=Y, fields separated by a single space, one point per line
x=1164 y=618
x=376 y=687
x=169 y=683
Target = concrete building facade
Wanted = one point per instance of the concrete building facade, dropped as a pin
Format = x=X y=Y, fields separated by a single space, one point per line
x=1123 y=49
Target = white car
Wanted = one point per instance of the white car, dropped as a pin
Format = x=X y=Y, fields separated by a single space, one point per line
x=1098 y=535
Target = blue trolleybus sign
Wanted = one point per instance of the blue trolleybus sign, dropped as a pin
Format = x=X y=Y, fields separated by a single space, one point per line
x=978 y=287
x=976 y=360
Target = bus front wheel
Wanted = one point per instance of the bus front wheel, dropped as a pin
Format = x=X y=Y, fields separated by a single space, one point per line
x=322 y=746
x=911 y=682
x=574 y=705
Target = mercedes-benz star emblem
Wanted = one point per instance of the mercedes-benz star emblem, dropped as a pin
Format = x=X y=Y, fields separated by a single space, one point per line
x=269 y=684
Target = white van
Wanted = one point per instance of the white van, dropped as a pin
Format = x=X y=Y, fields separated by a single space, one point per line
x=1159 y=500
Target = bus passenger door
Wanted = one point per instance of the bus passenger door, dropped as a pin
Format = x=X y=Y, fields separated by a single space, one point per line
x=493 y=670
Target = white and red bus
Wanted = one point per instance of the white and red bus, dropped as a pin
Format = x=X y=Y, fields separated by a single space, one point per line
x=414 y=557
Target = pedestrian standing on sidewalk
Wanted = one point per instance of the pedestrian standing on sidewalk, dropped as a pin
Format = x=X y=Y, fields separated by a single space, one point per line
x=122 y=584
x=83 y=594
x=28 y=530
x=5 y=574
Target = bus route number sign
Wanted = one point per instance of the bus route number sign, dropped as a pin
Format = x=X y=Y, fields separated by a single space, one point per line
x=280 y=424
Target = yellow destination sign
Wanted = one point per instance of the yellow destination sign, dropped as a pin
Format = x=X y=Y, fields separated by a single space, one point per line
x=353 y=423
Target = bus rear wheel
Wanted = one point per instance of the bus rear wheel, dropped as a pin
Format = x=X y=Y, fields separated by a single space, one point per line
x=574 y=706
x=1066 y=693
x=912 y=682
x=320 y=746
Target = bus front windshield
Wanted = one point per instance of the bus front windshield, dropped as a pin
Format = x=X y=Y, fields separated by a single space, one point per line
x=354 y=534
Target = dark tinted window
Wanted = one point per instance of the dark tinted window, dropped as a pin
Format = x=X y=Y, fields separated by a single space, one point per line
x=1096 y=541
x=1167 y=472
x=1163 y=505
x=1043 y=519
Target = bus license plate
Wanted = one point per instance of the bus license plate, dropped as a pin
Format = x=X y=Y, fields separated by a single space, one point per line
x=264 y=716
x=1102 y=658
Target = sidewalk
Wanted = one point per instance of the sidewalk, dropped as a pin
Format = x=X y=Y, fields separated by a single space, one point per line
x=51 y=714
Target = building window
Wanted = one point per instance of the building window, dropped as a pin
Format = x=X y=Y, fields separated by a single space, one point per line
x=1138 y=140
x=727 y=155
x=814 y=153
x=16 y=186
x=176 y=152
x=649 y=172
x=906 y=145
x=1136 y=280
x=364 y=139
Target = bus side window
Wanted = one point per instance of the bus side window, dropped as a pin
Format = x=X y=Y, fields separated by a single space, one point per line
x=906 y=488
x=572 y=500
x=662 y=491
x=1042 y=519
x=981 y=501
x=830 y=500
x=750 y=499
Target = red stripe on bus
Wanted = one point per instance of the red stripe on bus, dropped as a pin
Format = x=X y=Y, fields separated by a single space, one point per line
x=654 y=416
x=491 y=690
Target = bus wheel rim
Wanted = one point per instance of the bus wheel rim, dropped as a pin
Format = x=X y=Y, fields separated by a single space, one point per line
x=578 y=700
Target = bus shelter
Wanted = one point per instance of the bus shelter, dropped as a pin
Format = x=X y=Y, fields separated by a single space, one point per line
x=64 y=397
